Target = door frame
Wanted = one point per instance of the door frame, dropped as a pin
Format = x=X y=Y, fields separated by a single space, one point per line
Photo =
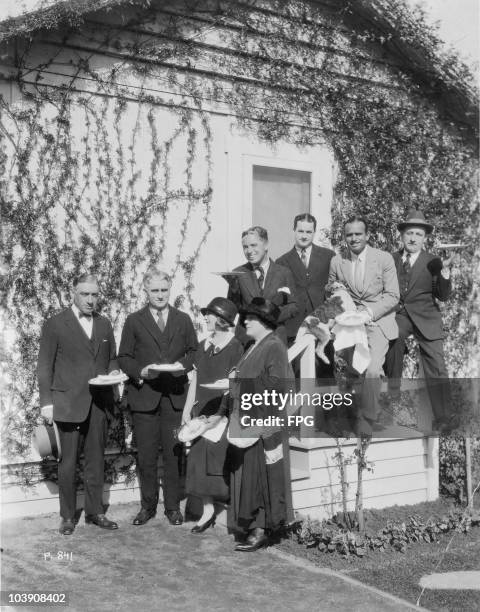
x=243 y=151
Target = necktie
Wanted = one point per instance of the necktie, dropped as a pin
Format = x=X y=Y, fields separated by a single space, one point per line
x=260 y=277
x=303 y=257
x=406 y=264
x=82 y=315
x=160 y=321
x=212 y=350
x=358 y=279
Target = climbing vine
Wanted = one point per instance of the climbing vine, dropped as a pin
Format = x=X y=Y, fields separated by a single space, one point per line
x=89 y=160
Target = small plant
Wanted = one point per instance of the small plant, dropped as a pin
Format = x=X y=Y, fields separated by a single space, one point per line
x=336 y=536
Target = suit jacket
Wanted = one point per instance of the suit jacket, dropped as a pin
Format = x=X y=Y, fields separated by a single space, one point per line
x=309 y=282
x=380 y=291
x=277 y=277
x=143 y=343
x=423 y=289
x=68 y=359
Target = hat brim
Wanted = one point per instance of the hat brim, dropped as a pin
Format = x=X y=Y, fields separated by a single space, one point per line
x=415 y=223
x=46 y=440
x=260 y=315
x=217 y=314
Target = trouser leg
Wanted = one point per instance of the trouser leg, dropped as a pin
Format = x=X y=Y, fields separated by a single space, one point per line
x=146 y=426
x=69 y=437
x=436 y=376
x=394 y=359
x=94 y=460
x=170 y=420
x=378 y=345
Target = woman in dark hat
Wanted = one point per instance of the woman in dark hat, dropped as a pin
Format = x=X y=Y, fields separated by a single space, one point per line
x=258 y=486
x=207 y=477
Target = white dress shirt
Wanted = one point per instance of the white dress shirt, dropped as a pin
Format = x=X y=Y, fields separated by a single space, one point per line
x=308 y=252
x=359 y=260
x=164 y=312
x=413 y=257
x=85 y=321
x=264 y=265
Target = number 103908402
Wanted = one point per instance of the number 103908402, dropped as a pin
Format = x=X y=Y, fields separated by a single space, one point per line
x=12 y=598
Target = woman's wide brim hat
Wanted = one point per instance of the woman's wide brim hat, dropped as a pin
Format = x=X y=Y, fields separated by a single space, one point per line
x=46 y=440
x=223 y=308
x=416 y=217
x=263 y=309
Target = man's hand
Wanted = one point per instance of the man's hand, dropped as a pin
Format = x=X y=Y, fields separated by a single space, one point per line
x=451 y=260
x=47 y=413
x=147 y=373
x=366 y=316
x=180 y=371
x=115 y=373
x=232 y=282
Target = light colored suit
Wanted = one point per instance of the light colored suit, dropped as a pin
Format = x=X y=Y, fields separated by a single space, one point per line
x=380 y=291
x=379 y=295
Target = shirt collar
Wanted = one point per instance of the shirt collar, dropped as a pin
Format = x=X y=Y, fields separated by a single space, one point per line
x=155 y=312
x=361 y=256
x=209 y=341
x=308 y=250
x=265 y=265
x=79 y=315
x=413 y=256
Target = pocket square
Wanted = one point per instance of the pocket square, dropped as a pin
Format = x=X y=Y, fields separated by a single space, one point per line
x=105 y=340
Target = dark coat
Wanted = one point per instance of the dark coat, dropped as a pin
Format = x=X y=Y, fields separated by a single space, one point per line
x=266 y=367
x=276 y=278
x=309 y=282
x=68 y=359
x=423 y=289
x=143 y=343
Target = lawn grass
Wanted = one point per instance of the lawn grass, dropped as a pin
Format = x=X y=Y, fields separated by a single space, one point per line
x=400 y=573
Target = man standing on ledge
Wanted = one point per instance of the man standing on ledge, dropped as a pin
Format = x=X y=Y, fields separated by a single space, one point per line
x=423 y=279
x=261 y=277
x=309 y=265
x=76 y=345
x=157 y=334
x=370 y=276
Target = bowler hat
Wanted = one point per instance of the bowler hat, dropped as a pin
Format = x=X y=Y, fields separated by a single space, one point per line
x=416 y=217
x=46 y=441
x=222 y=308
x=263 y=309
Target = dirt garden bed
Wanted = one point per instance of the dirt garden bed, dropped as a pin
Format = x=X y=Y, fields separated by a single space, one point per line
x=398 y=572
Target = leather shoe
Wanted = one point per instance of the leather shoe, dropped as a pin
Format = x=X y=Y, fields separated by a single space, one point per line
x=255 y=540
x=201 y=528
x=174 y=517
x=101 y=521
x=67 y=526
x=143 y=516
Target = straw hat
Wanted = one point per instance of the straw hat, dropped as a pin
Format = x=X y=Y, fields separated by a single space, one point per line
x=46 y=440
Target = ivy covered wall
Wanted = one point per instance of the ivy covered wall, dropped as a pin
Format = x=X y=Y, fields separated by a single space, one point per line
x=106 y=151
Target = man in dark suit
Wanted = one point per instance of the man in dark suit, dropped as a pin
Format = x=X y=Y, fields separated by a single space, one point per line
x=309 y=265
x=157 y=334
x=76 y=345
x=423 y=279
x=262 y=277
